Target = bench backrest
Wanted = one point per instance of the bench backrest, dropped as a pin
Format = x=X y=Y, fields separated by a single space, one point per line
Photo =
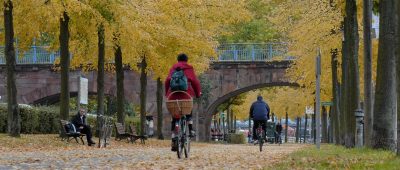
x=63 y=123
x=120 y=128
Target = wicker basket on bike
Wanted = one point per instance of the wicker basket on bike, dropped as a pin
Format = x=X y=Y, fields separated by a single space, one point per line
x=179 y=107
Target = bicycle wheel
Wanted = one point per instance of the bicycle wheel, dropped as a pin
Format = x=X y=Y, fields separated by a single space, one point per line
x=181 y=138
x=187 y=145
x=180 y=147
x=261 y=140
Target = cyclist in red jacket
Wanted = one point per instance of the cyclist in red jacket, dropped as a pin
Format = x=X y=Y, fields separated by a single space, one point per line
x=193 y=89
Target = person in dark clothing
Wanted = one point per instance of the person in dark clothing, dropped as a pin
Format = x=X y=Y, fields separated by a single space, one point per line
x=259 y=112
x=194 y=90
x=79 y=120
x=278 y=131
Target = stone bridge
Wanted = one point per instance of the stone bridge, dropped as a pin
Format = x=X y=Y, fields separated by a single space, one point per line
x=39 y=84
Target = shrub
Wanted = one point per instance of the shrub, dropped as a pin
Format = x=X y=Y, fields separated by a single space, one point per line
x=45 y=120
x=34 y=120
x=3 y=118
x=236 y=138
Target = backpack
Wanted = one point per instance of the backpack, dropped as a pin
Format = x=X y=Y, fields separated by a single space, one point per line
x=70 y=128
x=178 y=80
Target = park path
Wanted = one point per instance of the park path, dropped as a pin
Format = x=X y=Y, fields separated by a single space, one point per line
x=154 y=155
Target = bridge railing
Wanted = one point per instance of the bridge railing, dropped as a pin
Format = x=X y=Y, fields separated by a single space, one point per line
x=226 y=52
x=35 y=55
x=251 y=51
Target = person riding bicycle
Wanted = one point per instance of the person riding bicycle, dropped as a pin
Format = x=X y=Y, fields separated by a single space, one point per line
x=193 y=89
x=259 y=112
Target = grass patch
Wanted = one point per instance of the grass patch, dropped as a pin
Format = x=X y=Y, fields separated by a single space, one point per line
x=338 y=157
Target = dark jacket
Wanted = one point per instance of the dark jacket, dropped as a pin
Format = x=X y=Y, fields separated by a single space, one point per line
x=194 y=88
x=259 y=110
x=76 y=120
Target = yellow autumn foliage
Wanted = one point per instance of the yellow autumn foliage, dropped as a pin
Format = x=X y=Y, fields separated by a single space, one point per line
x=308 y=25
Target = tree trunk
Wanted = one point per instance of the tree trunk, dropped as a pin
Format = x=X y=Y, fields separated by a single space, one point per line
x=286 y=129
x=342 y=91
x=250 y=130
x=398 y=76
x=100 y=75
x=231 y=117
x=13 y=121
x=305 y=129
x=64 y=61
x=330 y=125
x=120 y=85
x=297 y=129
x=143 y=88
x=352 y=81
x=228 y=122
x=367 y=15
x=159 y=108
x=384 y=116
x=335 y=114
x=234 y=124
x=273 y=117
x=324 y=125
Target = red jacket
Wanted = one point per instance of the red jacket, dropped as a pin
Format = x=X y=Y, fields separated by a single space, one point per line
x=194 y=88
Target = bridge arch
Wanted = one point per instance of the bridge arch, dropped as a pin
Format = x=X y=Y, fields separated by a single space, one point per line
x=211 y=109
x=213 y=106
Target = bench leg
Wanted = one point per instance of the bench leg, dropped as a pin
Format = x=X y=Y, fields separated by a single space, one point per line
x=142 y=141
x=82 y=140
x=76 y=139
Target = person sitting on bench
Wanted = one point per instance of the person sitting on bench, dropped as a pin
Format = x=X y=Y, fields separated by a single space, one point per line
x=79 y=120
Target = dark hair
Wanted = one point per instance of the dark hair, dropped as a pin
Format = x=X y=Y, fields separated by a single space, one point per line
x=182 y=57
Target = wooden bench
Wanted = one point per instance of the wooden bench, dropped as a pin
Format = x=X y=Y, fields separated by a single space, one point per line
x=216 y=134
x=121 y=133
x=135 y=136
x=67 y=135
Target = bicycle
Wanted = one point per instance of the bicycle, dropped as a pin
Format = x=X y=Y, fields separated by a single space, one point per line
x=180 y=108
x=183 y=139
x=105 y=131
x=260 y=135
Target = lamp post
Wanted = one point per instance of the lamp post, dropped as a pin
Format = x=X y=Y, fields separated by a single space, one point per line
x=359 y=114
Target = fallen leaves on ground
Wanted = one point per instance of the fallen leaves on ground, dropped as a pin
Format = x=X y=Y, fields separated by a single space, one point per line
x=49 y=152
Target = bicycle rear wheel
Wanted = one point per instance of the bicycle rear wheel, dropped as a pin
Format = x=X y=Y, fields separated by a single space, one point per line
x=180 y=147
x=187 y=146
x=261 y=140
x=181 y=138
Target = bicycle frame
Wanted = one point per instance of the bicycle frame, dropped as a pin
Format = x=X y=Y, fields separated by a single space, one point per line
x=260 y=135
x=183 y=138
x=105 y=130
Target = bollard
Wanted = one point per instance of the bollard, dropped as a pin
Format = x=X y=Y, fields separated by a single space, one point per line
x=359 y=114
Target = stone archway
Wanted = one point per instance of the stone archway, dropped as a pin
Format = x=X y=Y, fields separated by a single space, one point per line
x=211 y=109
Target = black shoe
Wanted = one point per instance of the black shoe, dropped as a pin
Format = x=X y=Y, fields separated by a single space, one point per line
x=91 y=143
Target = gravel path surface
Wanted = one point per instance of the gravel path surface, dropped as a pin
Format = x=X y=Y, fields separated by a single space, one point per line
x=154 y=155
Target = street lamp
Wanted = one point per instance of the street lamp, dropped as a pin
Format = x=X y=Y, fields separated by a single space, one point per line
x=359 y=114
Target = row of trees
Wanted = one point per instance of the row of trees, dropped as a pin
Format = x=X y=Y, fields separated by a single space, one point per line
x=125 y=32
x=342 y=29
